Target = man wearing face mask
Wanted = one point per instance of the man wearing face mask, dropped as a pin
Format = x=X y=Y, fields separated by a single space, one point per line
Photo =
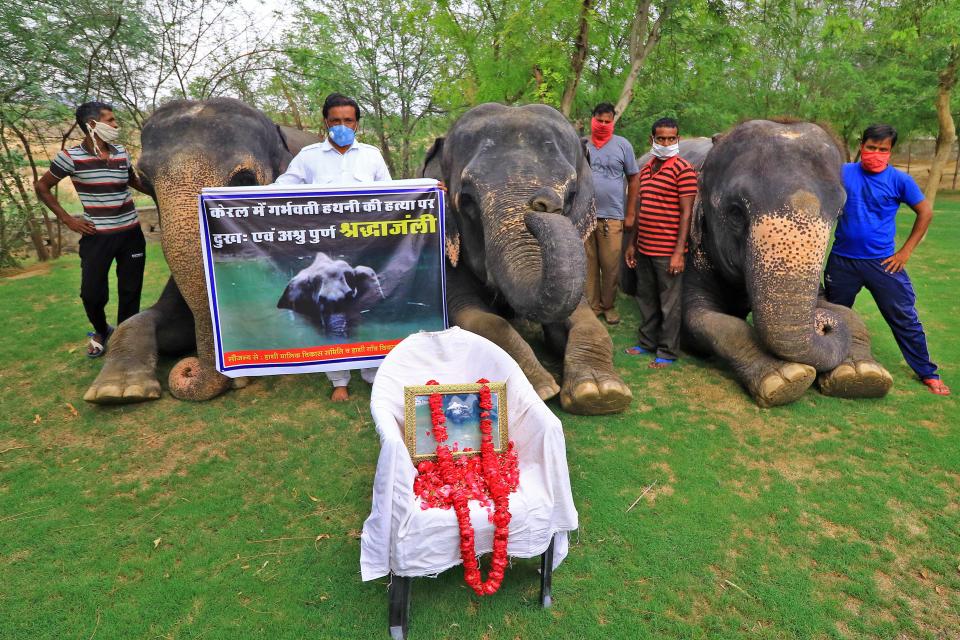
x=613 y=164
x=339 y=159
x=864 y=252
x=668 y=186
x=102 y=175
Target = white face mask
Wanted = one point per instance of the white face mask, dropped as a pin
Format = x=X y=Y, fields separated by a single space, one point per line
x=664 y=152
x=103 y=131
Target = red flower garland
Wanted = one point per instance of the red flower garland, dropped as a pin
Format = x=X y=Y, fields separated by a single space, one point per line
x=488 y=478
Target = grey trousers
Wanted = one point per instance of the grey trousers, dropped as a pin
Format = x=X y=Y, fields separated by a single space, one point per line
x=658 y=296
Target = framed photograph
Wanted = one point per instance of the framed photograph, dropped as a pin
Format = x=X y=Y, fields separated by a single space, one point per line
x=461 y=405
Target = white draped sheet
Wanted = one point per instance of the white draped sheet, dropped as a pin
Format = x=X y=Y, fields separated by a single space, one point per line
x=402 y=538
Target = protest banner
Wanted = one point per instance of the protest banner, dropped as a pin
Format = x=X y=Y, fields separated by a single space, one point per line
x=308 y=278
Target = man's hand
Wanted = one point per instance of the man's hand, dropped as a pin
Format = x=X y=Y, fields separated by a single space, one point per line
x=896 y=262
x=79 y=224
x=676 y=264
x=630 y=256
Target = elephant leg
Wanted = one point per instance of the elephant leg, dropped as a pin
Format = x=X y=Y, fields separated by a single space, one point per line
x=859 y=375
x=591 y=386
x=498 y=330
x=769 y=380
x=129 y=373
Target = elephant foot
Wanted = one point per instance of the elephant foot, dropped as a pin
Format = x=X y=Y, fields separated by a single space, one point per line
x=190 y=379
x=118 y=386
x=784 y=384
x=545 y=385
x=594 y=393
x=860 y=379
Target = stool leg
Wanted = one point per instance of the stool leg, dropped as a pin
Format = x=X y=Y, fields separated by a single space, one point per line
x=546 y=577
x=399 y=596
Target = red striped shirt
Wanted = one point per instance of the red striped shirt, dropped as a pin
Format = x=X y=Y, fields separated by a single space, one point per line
x=658 y=223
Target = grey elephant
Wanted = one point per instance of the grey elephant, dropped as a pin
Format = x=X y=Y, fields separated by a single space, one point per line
x=769 y=195
x=519 y=204
x=189 y=145
x=332 y=294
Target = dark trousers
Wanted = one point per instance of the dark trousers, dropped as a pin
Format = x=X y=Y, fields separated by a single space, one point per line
x=894 y=295
x=658 y=296
x=97 y=253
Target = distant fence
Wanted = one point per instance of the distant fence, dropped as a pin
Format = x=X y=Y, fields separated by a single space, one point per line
x=915 y=156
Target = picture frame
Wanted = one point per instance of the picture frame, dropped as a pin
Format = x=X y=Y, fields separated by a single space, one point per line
x=462 y=408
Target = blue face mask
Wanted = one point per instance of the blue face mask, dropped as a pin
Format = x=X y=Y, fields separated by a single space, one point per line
x=342 y=135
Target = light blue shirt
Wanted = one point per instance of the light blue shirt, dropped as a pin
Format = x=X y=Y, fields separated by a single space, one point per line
x=321 y=163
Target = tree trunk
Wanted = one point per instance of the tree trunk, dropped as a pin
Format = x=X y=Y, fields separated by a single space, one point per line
x=948 y=131
x=294 y=110
x=644 y=36
x=576 y=63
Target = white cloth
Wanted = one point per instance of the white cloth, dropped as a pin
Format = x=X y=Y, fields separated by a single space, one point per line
x=402 y=538
x=321 y=163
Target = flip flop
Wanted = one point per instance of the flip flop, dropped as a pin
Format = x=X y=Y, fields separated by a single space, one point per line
x=937 y=386
x=661 y=363
x=99 y=348
x=637 y=351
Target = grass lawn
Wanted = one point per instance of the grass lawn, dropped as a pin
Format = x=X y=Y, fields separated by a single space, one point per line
x=240 y=517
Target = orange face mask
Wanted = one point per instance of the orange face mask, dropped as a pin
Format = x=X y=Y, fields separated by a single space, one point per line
x=874 y=161
x=601 y=132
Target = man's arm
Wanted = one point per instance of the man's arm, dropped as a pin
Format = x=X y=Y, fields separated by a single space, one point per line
x=43 y=188
x=134 y=182
x=633 y=189
x=686 y=211
x=898 y=261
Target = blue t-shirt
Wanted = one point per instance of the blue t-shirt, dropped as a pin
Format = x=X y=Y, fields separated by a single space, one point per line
x=611 y=164
x=868 y=227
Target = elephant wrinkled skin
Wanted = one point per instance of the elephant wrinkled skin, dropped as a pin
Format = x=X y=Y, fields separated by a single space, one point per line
x=189 y=145
x=519 y=204
x=769 y=195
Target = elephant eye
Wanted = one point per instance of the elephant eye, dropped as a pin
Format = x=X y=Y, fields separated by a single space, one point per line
x=243 y=178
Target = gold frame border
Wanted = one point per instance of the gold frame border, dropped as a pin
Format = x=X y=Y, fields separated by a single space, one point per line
x=410 y=414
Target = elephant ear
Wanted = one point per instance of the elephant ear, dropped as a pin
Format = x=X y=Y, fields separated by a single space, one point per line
x=583 y=210
x=432 y=168
x=696 y=224
x=364 y=280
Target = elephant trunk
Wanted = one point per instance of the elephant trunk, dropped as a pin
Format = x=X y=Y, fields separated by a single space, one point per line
x=538 y=261
x=337 y=325
x=785 y=251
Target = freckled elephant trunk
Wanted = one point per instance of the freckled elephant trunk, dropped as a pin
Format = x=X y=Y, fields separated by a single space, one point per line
x=539 y=263
x=177 y=201
x=785 y=251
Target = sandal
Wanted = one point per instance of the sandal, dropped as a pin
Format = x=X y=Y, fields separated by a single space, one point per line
x=661 y=363
x=637 y=351
x=96 y=348
x=936 y=386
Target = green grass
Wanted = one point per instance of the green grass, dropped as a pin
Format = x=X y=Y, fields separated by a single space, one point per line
x=239 y=518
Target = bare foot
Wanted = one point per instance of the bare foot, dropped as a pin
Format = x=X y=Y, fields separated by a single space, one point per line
x=937 y=386
x=340 y=394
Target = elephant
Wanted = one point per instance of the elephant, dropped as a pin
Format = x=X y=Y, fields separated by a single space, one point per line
x=188 y=145
x=770 y=192
x=519 y=204
x=332 y=294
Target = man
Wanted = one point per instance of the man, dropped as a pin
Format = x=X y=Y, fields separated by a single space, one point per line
x=668 y=186
x=612 y=160
x=102 y=175
x=340 y=158
x=864 y=251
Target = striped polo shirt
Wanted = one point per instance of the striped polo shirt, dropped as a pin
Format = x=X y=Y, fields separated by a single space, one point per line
x=103 y=186
x=658 y=223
